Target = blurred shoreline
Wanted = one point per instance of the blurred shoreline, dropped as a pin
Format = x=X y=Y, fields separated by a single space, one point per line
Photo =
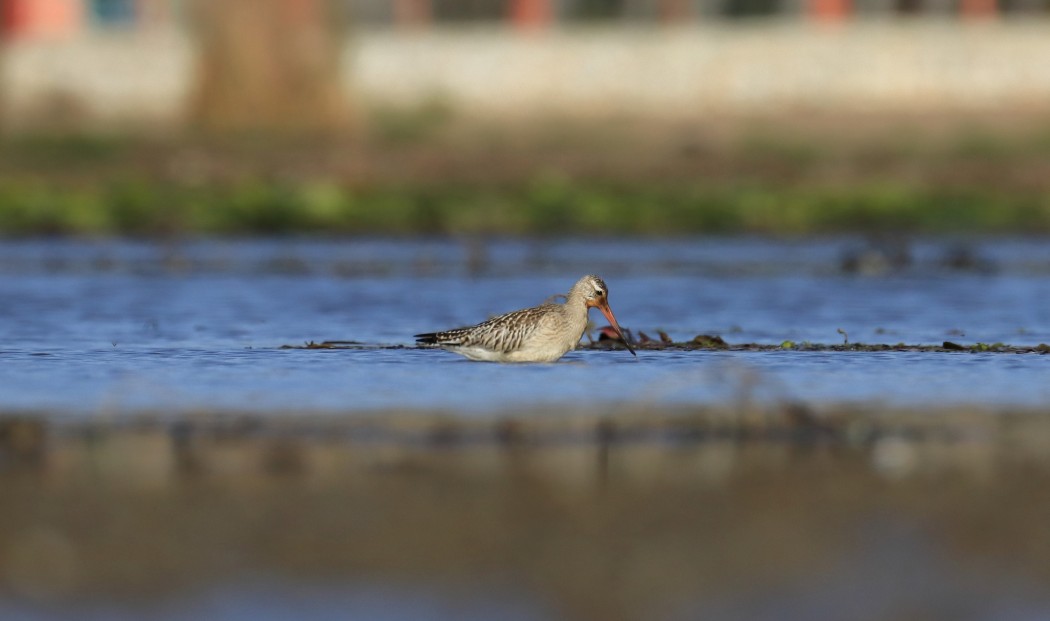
x=427 y=171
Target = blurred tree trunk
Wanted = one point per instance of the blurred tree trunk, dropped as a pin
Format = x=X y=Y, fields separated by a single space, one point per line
x=3 y=88
x=269 y=66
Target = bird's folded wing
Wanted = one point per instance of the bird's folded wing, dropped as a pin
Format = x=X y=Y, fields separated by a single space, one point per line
x=504 y=333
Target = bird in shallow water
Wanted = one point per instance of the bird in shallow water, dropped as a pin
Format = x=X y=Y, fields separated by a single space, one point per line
x=542 y=333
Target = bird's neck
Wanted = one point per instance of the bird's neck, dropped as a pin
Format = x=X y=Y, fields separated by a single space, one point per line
x=575 y=310
x=576 y=299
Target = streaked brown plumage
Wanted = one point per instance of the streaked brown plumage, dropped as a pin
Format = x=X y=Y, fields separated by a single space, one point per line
x=542 y=333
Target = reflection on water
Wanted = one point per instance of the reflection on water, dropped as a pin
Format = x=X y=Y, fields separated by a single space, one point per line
x=113 y=326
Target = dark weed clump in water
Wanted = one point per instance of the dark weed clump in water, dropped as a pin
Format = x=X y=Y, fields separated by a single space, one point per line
x=707 y=342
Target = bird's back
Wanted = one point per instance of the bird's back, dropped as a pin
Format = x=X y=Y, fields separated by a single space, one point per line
x=530 y=334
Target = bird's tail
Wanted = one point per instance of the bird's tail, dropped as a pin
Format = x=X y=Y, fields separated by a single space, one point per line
x=427 y=338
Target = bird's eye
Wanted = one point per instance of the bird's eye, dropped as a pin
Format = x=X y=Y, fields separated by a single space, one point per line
x=598 y=293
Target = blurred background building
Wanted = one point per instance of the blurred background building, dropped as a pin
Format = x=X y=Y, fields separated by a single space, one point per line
x=61 y=18
x=56 y=18
x=138 y=62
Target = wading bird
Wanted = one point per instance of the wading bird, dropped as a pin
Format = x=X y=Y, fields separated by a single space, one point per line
x=542 y=333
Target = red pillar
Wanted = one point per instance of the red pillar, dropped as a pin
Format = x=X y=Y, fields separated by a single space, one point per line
x=531 y=14
x=829 y=10
x=10 y=16
x=46 y=19
x=978 y=9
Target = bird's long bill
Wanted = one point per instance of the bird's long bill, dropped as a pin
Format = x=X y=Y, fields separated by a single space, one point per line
x=603 y=306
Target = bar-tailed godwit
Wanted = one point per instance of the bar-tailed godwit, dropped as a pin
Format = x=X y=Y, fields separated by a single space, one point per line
x=542 y=333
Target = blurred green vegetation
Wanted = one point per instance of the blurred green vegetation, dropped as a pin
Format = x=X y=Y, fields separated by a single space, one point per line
x=415 y=177
x=543 y=207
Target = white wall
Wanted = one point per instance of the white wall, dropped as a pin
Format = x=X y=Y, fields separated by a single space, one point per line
x=698 y=70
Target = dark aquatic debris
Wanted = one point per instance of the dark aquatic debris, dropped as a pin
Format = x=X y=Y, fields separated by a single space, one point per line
x=707 y=341
x=702 y=342
x=609 y=338
x=879 y=257
x=710 y=342
x=341 y=345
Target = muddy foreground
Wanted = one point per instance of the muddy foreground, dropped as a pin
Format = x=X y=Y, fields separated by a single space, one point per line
x=781 y=513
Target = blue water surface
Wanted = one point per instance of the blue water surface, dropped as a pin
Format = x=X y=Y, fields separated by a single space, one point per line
x=89 y=327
